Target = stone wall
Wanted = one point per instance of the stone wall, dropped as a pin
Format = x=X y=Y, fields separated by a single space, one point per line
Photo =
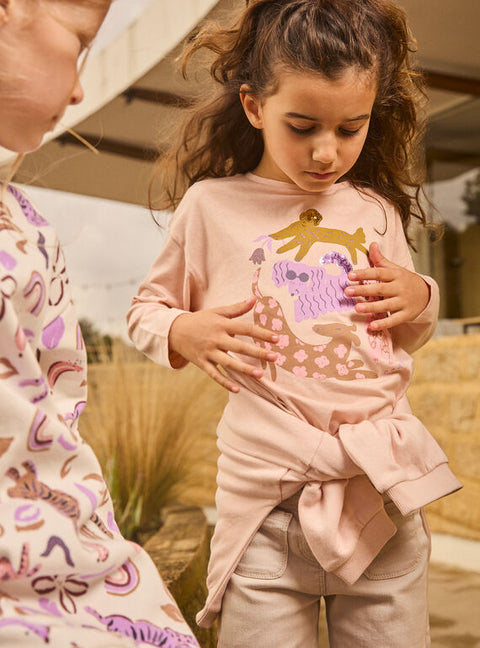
x=180 y=551
x=445 y=395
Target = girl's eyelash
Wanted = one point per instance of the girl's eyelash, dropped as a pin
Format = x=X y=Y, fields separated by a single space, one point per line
x=301 y=131
x=349 y=133
x=305 y=131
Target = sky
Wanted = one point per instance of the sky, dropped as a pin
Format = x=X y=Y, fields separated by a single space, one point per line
x=446 y=195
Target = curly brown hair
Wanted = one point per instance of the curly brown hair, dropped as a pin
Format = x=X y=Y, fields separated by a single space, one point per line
x=321 y=36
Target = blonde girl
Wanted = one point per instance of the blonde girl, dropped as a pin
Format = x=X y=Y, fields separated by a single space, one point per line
x=68 y=577
x=286 y=277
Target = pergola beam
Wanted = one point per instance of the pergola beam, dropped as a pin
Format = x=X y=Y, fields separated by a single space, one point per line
x=160 y=97
x=436 y=80
x=146 y=154
x=452 y=83
x=109 y=145
x=445 y=155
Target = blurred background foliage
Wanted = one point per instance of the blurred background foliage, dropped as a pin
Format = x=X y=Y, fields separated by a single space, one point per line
x=151 y=429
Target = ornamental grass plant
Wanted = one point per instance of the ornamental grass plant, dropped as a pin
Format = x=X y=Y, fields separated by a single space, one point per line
x=153 y=431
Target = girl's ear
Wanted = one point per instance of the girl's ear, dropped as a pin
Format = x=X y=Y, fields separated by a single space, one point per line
x=251 y=105
x=4 y=11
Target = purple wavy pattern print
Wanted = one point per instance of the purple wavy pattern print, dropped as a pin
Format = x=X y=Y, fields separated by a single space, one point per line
x=29 y=211
x=314 y=290
x=55 y=541
x=143 y=632
x=40 y=630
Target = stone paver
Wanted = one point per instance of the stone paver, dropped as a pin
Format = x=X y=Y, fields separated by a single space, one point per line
x=454 y=607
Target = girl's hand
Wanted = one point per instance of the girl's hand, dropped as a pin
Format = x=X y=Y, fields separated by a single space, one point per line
x=400 y=295
x=207 y=338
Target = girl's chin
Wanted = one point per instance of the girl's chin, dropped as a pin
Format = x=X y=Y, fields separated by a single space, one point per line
x=23 y=147
x=33 y=141
x=28 y=147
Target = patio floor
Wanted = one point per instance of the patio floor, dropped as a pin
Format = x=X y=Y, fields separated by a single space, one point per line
x=454 y=607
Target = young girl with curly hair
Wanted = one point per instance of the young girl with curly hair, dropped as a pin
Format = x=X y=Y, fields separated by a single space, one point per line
x=295 y=182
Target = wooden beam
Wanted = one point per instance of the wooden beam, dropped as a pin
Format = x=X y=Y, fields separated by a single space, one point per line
x=108 y=145
x=444 y=155
x=452 y=83
x=437 y=80
x=146 y=154
x=160 y=97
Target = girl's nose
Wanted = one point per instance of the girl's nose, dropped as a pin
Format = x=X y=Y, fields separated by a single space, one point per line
x=325 y=150
x=77 y=94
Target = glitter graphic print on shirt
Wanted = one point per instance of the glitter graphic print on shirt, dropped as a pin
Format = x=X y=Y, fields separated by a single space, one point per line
x=302 y=299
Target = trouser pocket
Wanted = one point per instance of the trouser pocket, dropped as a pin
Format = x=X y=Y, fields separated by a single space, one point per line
x=405 y=551
x=267 y=554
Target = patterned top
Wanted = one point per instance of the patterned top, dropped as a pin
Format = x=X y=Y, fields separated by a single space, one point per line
x=68 y=576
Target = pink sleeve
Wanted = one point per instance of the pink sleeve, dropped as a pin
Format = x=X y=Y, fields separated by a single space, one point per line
x=412 y=335
x=401 y=458
x=398 y=454
x=162 y=297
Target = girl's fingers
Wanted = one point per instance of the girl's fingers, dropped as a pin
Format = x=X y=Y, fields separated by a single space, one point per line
x=248 y=329
x=241 y=367
x=381 y=306
x=235 y=327
x=252 y=331
x=377 y=289
x=373 y=274
x=252 y=350
x=235 y=310
x=209 y=339
x=387 y=322
x=224 y=381
x=226 y=360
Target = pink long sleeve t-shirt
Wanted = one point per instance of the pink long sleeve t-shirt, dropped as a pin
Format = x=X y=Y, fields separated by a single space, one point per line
x=330 y=416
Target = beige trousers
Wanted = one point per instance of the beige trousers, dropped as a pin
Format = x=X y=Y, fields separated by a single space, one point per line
x=273 y=598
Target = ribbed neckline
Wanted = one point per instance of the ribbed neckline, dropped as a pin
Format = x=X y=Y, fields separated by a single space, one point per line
x=280 y=186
